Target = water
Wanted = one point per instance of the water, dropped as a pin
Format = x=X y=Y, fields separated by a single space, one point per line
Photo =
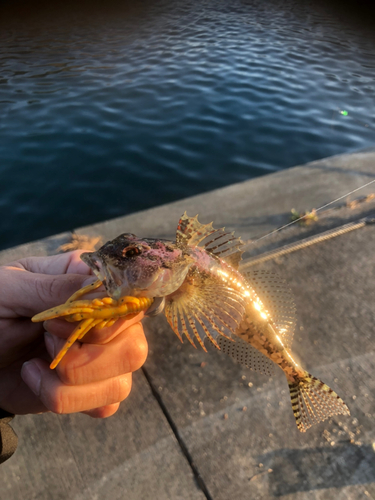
x=107 y=110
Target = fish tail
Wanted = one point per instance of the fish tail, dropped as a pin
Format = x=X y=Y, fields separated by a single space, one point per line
x=313 y=401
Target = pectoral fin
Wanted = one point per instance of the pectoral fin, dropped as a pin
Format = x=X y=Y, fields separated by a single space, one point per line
x=204 y=307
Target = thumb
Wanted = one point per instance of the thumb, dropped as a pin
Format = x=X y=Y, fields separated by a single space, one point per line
x=26 y=294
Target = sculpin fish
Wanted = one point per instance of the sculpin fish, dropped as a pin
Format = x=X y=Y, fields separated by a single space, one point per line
x=250 y=316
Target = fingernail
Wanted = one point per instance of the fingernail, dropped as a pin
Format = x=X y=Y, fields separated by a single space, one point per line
x=50 y=345
x=32 y=376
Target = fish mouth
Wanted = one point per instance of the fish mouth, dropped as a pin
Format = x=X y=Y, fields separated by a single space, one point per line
x=104 y=272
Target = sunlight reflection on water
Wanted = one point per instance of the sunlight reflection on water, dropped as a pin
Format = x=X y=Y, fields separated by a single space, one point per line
x=110 y=110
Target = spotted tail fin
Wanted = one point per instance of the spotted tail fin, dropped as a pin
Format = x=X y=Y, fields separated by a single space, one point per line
x=313 y=401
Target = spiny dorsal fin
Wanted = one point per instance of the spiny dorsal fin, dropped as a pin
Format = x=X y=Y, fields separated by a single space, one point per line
x=278 y=299
x=216 y=241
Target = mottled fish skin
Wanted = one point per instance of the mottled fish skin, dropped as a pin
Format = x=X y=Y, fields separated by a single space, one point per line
x=144 y=267
x=263 y=335
x=207 y=297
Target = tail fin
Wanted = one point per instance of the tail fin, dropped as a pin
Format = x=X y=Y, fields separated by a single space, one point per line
x=313 y=401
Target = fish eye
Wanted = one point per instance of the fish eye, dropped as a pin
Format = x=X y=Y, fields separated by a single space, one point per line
x=131 y=251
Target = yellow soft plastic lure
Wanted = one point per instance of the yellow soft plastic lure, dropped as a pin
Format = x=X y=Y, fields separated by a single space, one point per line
x=98 y=313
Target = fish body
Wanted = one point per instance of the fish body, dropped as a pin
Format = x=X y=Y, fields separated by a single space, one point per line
x=260 y=332
x=250 y=316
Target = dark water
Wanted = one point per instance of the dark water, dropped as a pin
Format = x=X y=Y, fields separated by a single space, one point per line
x=112 y=107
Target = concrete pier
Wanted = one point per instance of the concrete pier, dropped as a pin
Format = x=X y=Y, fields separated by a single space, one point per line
x=198 y=426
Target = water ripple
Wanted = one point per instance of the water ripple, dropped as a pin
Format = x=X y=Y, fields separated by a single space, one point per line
x=111 y=109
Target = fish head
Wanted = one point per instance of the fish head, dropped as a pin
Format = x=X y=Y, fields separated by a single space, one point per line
x=147 y=267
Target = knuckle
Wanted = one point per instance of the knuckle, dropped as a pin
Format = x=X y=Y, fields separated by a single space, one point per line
x=55 y=288
x=70 y=374
x=103 y=411
x=45 y=288
x=122 y=388
x=55 y=402
x=138 y=353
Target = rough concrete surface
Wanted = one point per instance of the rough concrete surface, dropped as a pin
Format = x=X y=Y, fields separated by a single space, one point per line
x=199 y=426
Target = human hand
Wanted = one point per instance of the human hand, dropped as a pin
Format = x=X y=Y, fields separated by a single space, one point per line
x=93 y=377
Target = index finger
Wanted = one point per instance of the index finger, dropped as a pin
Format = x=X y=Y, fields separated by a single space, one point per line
x=63 y=329
x=68 y=263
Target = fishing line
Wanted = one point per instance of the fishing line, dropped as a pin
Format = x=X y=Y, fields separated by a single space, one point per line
x=306 y=215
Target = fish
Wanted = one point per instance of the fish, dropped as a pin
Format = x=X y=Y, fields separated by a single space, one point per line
x=197 y=282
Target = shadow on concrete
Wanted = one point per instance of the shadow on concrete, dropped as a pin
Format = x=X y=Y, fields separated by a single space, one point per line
x=318 y=468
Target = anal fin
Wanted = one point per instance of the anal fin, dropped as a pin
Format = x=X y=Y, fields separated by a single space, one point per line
x=246 y=355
